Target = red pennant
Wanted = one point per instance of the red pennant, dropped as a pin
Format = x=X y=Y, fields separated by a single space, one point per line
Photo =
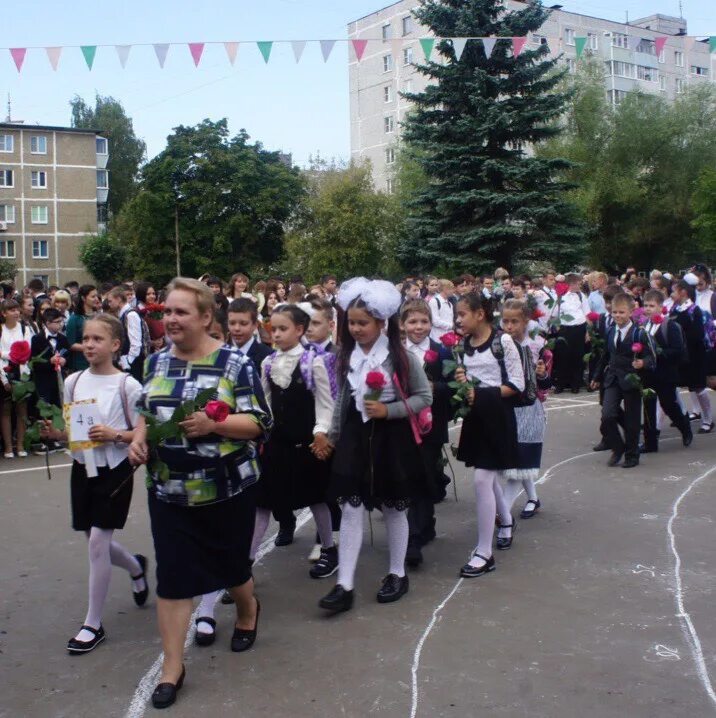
x=518 y=44
x=18 y=55
x=359 y=47
x=196 y=49
x=659 y=43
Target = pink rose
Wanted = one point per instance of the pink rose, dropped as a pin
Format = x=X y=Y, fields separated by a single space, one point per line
x=637 y=347
x=450 y=340
x=217 y=411
x=593 y=317
x=375 y=380
x=657 y=319
x=561 y=288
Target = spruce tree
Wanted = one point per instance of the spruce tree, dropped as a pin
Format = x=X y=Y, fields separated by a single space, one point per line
x=489 y=201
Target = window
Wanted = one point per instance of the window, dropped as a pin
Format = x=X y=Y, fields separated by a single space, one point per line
x=616 y=96
x=662 y=56
x=101 y=143
x=662 y=82
x=539 y=40
x=38 y=145
x=407 y=25
x=571 y=65
x=678 y=58
x=7 y=213
x=387 y=32
x=680 y=85
x=623 y=69
x=387 y=63
x=102 y=180
x=6 y=143
x=7 y=178
x=388 y=93
x=389 y=185
x=619 y=39
x=408 y=86
x=569 y=36
x=38 y=180
x=647 y=47
x=390 y=156
x=7 y=249
x=40 y=249
x=38 y=215
x=592 y=41
x=647 y=73
x=702 y=71
x=389 y=124
x=407 y=56
x=44 y=278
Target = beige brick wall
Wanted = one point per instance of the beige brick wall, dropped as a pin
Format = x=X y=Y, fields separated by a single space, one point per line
x=76 y=183
x=76 y=149
x=73 y=217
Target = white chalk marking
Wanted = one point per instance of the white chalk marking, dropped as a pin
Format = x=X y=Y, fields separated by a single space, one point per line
x=569 y=406
x=148 y=682
x=650 y=570
x=42 y=467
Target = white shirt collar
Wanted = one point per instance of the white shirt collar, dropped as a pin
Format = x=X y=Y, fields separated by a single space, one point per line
x=296 y=351
x=360 y=364
x=124 y=310
x=683 y=307
x=423 y=346
x=623 y=330
x=323 y=344
x=244 y=348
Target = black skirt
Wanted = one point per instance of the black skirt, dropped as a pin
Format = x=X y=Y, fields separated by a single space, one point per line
x=200 y=549
x=92 y=500
x=377 y=463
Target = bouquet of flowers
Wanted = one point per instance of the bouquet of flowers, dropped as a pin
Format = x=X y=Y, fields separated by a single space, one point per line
x=19 y=357
x=596 y=342
x=555 y=321
x=462 y=389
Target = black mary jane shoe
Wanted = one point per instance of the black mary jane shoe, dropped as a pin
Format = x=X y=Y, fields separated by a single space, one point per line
x=706 y=429
x=531 y=508
x=393 y=588
x=338 y=600
x=468 y=571
x=201 y=638
x=505 y=543
x=693 y=416
x=77 y=648
x=140 y=597
x=165 y=694
x=243 y=639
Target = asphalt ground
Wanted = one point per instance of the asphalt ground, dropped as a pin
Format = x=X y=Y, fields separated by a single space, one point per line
x=603 y=607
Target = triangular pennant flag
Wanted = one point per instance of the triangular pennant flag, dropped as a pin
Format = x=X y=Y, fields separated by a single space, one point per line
x=265 y=49
x=489 y=44
x=196 y=49
x=659 y=43
x=326 y=48
x=53 y=55
x=580 y=43
x=18 y=56
x=161 y=51
x=89 y=51
x=123 y=54
x=298 y=46
x=518 y=44
x=712 y=43
x=458 y=45
x=427 y=43
x=231 y=49
x=359 y=48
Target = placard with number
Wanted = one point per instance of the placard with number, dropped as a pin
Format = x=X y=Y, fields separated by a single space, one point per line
x=80 y=417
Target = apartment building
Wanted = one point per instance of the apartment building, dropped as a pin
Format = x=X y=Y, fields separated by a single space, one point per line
x=53 y=192
x=627 y=50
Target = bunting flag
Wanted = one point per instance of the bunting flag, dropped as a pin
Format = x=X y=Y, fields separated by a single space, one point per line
x=659 y=43
x=359 y=48
x=298 y=46
x=712 y=43
x=580 y=43
x=518 y=44
x=458 y=46
x=265 y=49
x=53 y=55
x=161 y=50
x=488 y=44
x=18 y=56
x=197 y=50
x=326 y=48
x=123 y=54
x=427 y=43
x=89 y=51
x=231 y=49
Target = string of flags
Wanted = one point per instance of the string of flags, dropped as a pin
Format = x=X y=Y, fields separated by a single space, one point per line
x=196 y=49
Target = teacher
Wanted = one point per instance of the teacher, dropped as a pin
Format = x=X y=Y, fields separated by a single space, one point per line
x=202 y=509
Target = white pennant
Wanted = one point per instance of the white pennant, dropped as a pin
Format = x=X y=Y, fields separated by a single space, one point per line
x=123 y=54
x=298 y=47
x=326 y=48
x=161 y=53
x=458 y=44
x=489 y=44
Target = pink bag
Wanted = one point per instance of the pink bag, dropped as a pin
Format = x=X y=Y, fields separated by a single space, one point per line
x=421 y=424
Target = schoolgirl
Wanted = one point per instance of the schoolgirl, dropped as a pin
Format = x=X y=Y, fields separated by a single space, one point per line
x=488 y=441
x=531 y=420
x=377 y=463
x=100 y=503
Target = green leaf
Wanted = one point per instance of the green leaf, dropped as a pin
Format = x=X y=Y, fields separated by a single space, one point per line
x=454 y=384
x=449 y=367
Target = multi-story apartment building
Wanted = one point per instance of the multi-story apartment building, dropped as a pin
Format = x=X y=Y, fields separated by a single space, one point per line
x=53 y=192
x=628 y=51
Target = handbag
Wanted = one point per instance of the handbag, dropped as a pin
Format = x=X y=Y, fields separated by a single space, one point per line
x=422 y=423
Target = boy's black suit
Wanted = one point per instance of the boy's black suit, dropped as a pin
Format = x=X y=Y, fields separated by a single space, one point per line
x=44 y=374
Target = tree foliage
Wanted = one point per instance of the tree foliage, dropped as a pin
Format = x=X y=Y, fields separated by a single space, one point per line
x=126 y=150
x=104 y=257
x=489 y=200
x=8 y=270
x=704 y=206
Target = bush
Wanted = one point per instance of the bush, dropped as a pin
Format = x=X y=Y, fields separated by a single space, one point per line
x=104 y=257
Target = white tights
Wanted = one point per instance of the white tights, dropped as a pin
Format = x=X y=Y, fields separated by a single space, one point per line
x=701 y=401
x=490 y=501
x=513 y=489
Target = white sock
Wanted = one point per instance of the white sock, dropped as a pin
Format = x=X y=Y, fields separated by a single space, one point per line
x=680 y=402
x=660 y=416
x=486 y=508
x=322 y=517
x=350 y=544
x=694 y=400
x=100 y=572
x=206 y=610
x=396 y=524
x=119 y=556
x=705 y=403
x=530 y=489
x=503 y=509
x=263 y=516
x=512 y=490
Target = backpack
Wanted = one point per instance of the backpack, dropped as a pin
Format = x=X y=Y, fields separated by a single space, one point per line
x=709 y=328
x=529 y=395
x=684 y=358
x=146 y=337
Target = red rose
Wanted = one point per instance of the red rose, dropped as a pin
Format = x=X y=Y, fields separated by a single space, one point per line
x=561 y=288
x=537 y=314
x=637 y=347
x=20 y=353
x=450 y=340
x=657 y=319
x=664 y=310
x=430 y=356
x=593 y=317
x=55 y=361
x=375 y=380
x=217 y=411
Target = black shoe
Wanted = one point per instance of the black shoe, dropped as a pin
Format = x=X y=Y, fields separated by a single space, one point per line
x=693 y=417
x=575 y=390
x=326 y=565
x=630 y=463
x=242 y=639
x=615 y=458
x=468 y=571
x=201 y=638
x=77 y=648
x=414 y=555
x=337 y=600
x=393 y=588
x=165 y=694
x=558 y=390
x=648 y=448
x=140 y=597
x=601 y=446
x=504 y=543
x=227 y=599
x=530 y=509
x=284 y=537
x=687 y=436
x=706 y=429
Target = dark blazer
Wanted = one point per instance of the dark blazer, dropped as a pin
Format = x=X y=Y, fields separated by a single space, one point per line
x=669 y=343
x=441 y=407
x=44 y=374
x=258 y=351
x=615 y=365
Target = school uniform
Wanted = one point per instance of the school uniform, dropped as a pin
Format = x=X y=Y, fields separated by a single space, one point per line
x=706 y=302
x=692 y=374
x=443 y=319
x=45 y=346
x=569 y=349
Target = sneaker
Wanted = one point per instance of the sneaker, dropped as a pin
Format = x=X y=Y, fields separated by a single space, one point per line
x=315 y=553
x=22 y=454
x=39 y=449
x=326 y=565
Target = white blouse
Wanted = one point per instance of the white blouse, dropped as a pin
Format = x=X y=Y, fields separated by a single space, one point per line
x=8 y=337
x=575 y=305
x=361 y=363
x=443 y=318
x=483 y=366
x=418 y=349
x=703 y=300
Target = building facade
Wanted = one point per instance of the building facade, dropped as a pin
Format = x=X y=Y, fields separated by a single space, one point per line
x=53 y=192
x=628 y=51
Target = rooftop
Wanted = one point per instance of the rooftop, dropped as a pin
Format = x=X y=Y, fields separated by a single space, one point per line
x=50 y=128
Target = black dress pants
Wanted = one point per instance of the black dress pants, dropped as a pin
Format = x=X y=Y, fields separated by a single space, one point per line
x=569 y=350
x=613 y=397
x=665 y=393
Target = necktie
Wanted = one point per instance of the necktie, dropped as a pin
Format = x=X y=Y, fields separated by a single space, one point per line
x=619 y=339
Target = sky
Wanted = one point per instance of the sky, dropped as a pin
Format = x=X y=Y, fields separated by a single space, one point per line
x=298 y=108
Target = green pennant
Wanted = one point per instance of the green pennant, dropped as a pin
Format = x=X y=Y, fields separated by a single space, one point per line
x=427 y=44
x=89 y=51
x=580 y=43
x=712 y=43
x=265 y=48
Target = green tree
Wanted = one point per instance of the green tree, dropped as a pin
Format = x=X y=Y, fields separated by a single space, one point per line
x=489 y=199
x=126 y=150
x=8 y=270
x=704 y=205
x=104 y=257
x=344 y=227
x=232 y=199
